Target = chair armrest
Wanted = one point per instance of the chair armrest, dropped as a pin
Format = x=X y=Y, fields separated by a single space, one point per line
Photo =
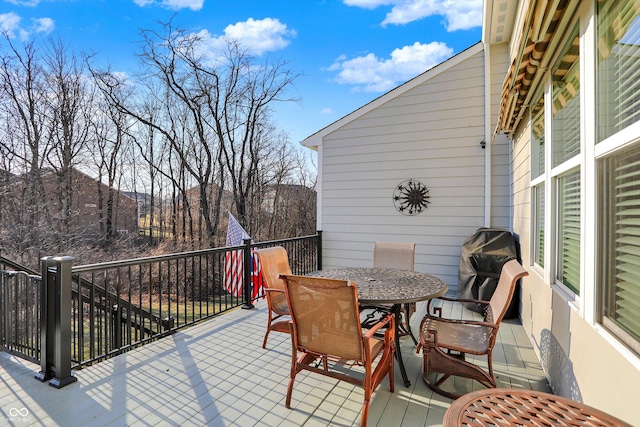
x=459 y=322
x=438 y=310
x=272 y=290
x=461 y=300
x=379 y=325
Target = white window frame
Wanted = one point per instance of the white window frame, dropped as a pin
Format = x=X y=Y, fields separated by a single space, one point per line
x=542 y=179
x=554 y=173
x=620 y=140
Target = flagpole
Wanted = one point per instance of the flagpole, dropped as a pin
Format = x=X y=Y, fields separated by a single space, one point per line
x=248 y=265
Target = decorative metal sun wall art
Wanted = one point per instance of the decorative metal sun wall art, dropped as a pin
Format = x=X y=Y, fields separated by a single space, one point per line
x=411 y=197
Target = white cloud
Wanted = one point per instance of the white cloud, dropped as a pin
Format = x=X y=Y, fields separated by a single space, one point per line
x=28 y=3
x=367 y=4
x=10 y=24
x=172 y=4
x=326 y=110
x=43 y=25
x=257 y=36
x=458 y=14
x=372 y=74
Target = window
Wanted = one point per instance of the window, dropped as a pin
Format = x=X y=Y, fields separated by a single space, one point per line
x=565 y=144
x=538 y=224
x=568 y=271
x=537 y=139
x=618 y=168
x=566 y=102
x=537 y=179
x=619 y=213
x=618 y=74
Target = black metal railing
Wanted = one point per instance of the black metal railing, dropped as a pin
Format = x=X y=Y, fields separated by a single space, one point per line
x=20 y=315
x=115 y=306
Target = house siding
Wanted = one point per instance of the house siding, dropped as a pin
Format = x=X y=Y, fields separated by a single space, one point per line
x=430 y=133
x=501 y=147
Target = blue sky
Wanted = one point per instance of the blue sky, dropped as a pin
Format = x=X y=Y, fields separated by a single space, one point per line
x=348 y=52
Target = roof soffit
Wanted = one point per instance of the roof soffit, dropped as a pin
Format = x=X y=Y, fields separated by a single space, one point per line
x=498 y=21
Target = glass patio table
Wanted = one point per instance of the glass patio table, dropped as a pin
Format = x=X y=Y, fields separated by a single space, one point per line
x=389 y=286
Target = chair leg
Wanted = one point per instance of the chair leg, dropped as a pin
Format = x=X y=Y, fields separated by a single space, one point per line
x=292 y=376
x=437 y=361
x=287 y=403
x=391 y=374
x=266 y=335
x=365 y=413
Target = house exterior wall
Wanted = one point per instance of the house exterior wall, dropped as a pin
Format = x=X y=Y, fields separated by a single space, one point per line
x=430 y=133
x=85 y=209
x=578 y=359
x=500 y=147
x=582 y=361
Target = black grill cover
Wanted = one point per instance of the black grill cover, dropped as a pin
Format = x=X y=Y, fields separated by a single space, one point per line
x=481 y=260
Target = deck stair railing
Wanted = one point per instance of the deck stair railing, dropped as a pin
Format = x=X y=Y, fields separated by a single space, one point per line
x=20 y=293
x=20 y=314
x=79 y=315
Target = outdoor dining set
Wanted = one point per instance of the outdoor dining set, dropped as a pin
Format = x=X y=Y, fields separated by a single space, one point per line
x=355 y=316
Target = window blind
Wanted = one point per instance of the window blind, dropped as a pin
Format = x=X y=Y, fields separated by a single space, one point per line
x=539 y=224
x=569 y=230
x=622 y=301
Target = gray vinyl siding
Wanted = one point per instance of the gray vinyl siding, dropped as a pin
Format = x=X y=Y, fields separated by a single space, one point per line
x=430 y=133
x=501 y=214
x=522 y=190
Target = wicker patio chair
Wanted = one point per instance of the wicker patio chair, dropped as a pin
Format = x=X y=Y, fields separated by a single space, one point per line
x=325 y=326
x=445 y=342
x=274 y=261
x=401 y=256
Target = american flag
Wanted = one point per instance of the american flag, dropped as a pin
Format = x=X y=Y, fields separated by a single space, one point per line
x=234 y=263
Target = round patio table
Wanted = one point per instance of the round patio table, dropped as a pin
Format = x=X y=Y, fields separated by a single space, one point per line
x=389 y=286
x=517 y=407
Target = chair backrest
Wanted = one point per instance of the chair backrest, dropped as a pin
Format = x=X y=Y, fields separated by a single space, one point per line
x=273 y=261
x=394 y=255
x=325 y=316
x=499 y=303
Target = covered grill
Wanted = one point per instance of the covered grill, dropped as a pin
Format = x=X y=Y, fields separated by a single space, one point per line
x=481 y=260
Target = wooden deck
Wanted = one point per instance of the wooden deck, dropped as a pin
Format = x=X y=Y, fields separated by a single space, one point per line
x=217 y=374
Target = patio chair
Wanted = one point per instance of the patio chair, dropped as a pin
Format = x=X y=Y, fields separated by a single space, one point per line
x=325 y=326
x=445 y=342
x=274 y=261
x=400 y=256
x=394 y=255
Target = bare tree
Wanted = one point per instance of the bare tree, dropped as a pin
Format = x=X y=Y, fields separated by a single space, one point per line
x=24 y=93
x=71 y=111
x=111 y=138
x=213 y=113
x=193 y=130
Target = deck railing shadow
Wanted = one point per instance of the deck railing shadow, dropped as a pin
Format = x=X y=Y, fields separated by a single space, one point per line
x=217 y=373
